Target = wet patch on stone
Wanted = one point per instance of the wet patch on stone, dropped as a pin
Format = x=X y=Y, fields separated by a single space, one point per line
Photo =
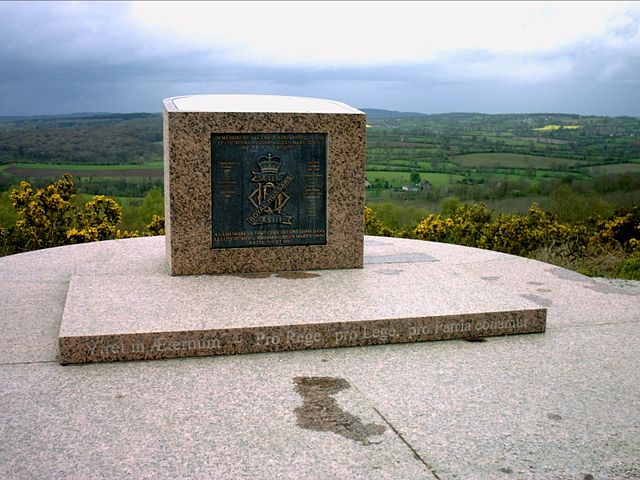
x=543 y=302
x=389 y=271
x=296 y=275
x=399 y=258
x=320 y=412
x=568 y=274
x=607 y=289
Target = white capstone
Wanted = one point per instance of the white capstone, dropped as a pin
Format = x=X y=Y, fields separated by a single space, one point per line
x=259 y=103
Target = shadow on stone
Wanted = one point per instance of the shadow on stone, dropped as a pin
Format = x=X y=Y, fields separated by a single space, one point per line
x=296 y=275
x=253 y=275
x=320 y=411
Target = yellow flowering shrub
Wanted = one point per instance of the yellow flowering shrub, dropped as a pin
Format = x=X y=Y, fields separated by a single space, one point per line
x=610 y=247
x=44 y=215
x=466 y=226
x=622 y=230
x=373 y=225
x=475 y=226
x=522 y=234
x=49 y=217
x=156 y=227
x=97 y=221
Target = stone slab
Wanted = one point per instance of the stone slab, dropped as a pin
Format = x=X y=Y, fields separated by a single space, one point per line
x=220 y=172
x=193 y=418
x=563 y=405
x=133 y=317
x=30 y=315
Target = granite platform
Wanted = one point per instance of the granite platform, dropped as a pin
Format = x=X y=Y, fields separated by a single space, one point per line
x=559 y=405
x=396 y=298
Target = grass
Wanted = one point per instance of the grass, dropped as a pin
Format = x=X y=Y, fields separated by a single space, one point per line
x=614 y=168
x=613 y=263
x=512 y=160
x=398 y=179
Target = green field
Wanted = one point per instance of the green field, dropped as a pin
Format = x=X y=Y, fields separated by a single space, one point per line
x=468 y=155
x=79 y=168
x=512 y=160
x=398 y=179
x=44 y=170
x=614 y=168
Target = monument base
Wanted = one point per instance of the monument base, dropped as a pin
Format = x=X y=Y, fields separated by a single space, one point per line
x=136 y=317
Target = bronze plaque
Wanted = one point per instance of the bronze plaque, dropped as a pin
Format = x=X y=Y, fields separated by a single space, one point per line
x=268 y=189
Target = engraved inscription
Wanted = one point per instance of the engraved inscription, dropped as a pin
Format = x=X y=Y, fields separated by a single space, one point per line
x=268 y=189
x=327 y=336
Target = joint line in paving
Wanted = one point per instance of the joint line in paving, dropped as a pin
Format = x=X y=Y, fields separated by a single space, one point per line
x=415 y=453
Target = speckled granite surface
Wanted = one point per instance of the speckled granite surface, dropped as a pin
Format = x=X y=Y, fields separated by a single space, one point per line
x=558 y=405
x=188 y=186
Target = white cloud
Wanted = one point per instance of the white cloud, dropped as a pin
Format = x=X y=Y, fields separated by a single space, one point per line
x=507 y=68
x=400 y=55
x=382 y=33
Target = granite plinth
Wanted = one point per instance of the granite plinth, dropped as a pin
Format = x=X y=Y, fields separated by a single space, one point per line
x=134 y=317
x=249 y=188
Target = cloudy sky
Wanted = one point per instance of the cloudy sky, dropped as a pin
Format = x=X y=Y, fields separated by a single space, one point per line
x=63 y=57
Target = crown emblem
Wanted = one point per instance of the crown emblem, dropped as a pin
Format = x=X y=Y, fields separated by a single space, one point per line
x=269 y=164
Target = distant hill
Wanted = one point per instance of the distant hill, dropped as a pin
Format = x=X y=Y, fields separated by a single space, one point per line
x=77 y=116
x=378 y=113
x=90 y=138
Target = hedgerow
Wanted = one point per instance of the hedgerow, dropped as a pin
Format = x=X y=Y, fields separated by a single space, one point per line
x=51 y=216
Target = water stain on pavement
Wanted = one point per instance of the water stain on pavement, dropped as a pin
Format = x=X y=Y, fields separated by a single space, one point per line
x=320 y=411
x=607 y=289
x=543 y=302
x=568 y=274
x=389 y=271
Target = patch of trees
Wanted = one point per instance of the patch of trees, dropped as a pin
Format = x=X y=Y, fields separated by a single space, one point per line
x=98 y=139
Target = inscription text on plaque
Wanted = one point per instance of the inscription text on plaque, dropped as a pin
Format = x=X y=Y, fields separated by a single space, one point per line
x=268 y=189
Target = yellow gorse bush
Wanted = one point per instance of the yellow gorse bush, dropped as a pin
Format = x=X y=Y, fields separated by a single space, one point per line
x=373 y=225
x=610 y=247
x=49 y=217
x=476 y=226
x=622 y=230
x=44 y=215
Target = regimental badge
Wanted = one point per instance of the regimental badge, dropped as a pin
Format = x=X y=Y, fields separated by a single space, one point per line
x=269 y=197
x=268 y=189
